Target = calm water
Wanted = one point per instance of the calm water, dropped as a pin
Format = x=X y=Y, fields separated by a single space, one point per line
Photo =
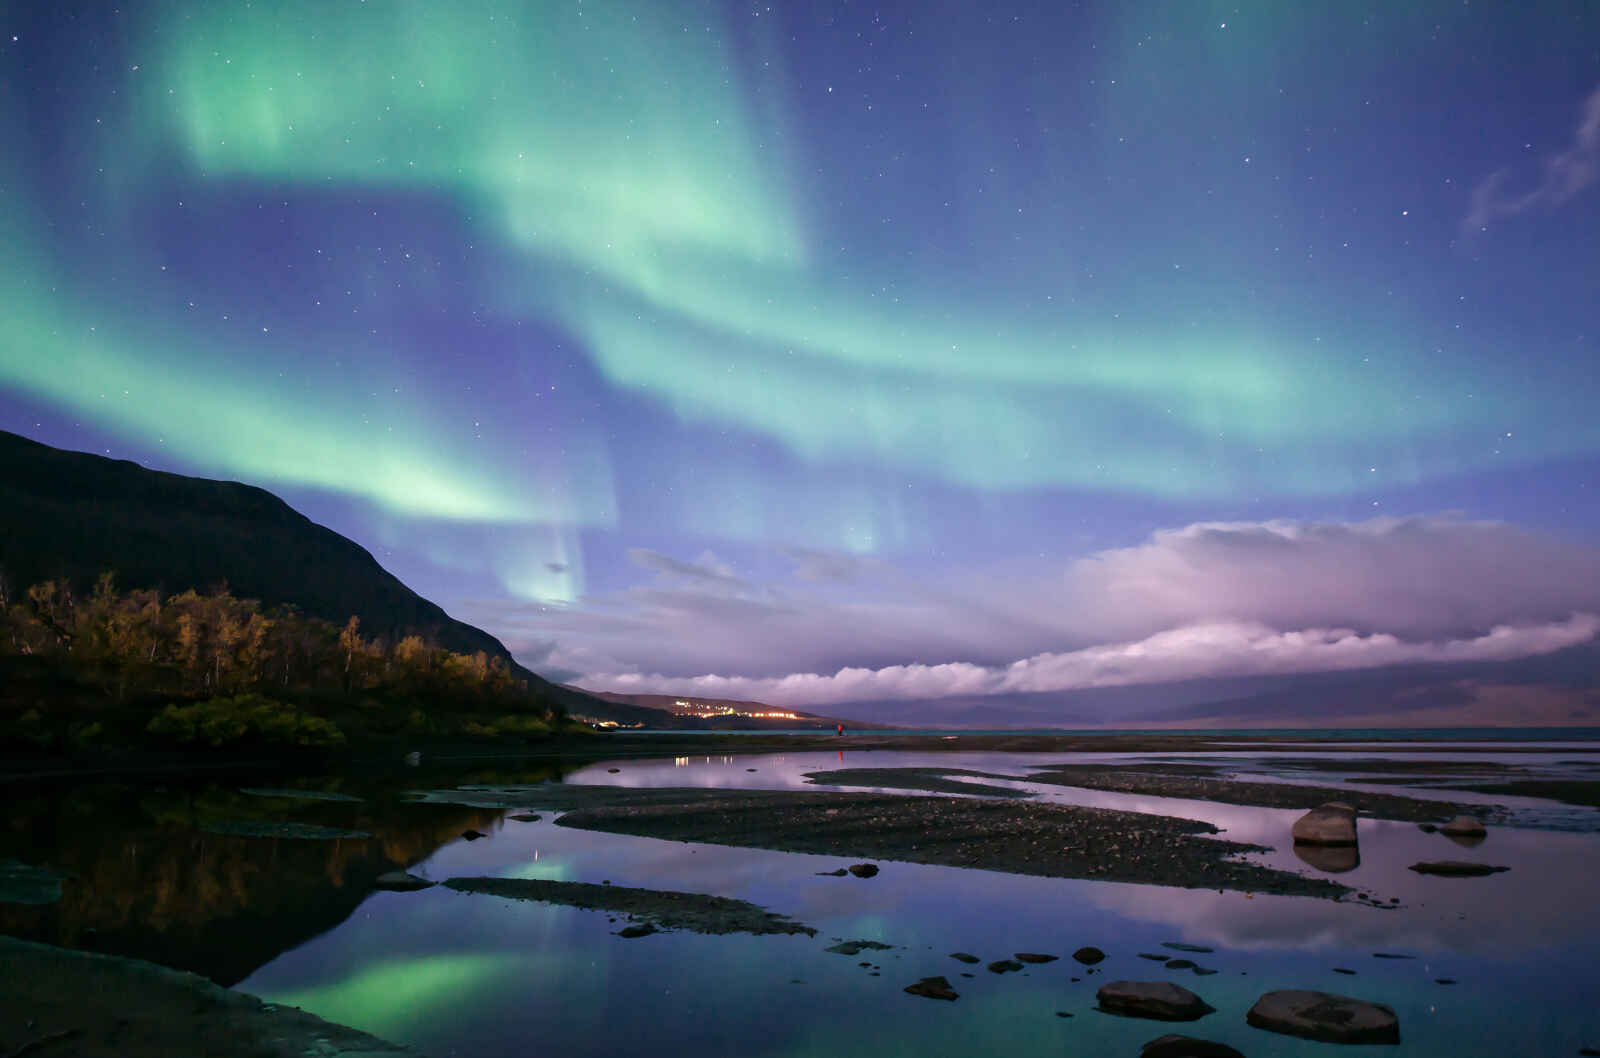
x=295 y=921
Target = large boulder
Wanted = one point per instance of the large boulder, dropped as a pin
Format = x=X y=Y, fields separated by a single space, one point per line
x=1324 y=1016
x=1161 y=1000
x=1089 y=955
x=933 y=988
x=1464 y=827
x=1172 y=1046
x=1333 y=823
x=1456 y=868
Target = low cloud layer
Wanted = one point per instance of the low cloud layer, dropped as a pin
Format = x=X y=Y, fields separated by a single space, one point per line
x=1204 y=600
x=1182 y=653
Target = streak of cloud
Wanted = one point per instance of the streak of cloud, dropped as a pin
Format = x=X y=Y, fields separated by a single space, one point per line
x=1562 y=176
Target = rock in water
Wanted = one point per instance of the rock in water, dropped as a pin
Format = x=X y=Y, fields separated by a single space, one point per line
x=401 y=882
x=856 y=947
x=863 y=870
x=961 y=956
x=1179 y=946
x=933 y=988
x=642 y=929
x=1331 y=824
x=473 y=835
x=1171 y=1046
x=525 y=817
x=1089 y=955
x=1161 y=1000
x=1464 y=827
x=1004 y=966
x=1034 y=957
x=1326 y=1017
x=1456 y=868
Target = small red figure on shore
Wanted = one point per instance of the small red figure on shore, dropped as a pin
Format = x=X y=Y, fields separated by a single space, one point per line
x=841 y=729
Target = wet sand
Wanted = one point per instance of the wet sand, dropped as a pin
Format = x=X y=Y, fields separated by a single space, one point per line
x=1017 y=837
x=662 y=909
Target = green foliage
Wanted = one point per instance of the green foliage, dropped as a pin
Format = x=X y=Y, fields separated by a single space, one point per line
x=140 y=648
x=247 y=718
x=498 y=727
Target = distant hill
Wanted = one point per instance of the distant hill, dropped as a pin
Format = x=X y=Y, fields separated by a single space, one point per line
x=681 y=711
x=72 y=516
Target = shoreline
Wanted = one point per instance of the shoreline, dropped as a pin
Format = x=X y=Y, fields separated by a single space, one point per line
x=103 y=1006
x=390 y=755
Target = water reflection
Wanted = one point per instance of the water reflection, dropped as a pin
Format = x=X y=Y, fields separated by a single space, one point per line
x=465 y=974
x=145 y=879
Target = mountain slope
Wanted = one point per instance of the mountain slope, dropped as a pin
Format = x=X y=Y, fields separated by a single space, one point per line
x=72 y=516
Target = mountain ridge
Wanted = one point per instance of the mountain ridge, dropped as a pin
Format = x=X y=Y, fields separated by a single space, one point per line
x=72 y=516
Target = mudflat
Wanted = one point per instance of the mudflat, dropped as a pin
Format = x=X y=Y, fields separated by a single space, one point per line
x=1007 y=835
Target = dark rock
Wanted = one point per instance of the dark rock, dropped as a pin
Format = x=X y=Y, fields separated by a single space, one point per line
x=1172 y=1046
x=525 y=817
x=1333 y=823
x=1324 y=1016
x=1427 y=828
x=1464 y=827
x=933 y=988
x=1062 y=1014
x=961 y=956
x=1198 y=949
x=612 y=771
x=1004 y=966
x=864 y=870
x=1342 y=970
x=638 y=929
x=401 y=882
x=840 y=873
x=1161 y=1000
x=1444 y=980
x=1456 y=868
x=1089 y=955
x=1034 y=957
x=473 y=835
x=1203 y=971
x=1153 y=956
x=856 y=947
x=1390 y=955
x=1180 y=964
x=749 y=769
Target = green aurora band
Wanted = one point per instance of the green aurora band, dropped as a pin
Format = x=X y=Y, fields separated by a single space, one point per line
x=641 y=170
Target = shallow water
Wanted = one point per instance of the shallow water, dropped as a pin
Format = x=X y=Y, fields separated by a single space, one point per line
x=466 y=974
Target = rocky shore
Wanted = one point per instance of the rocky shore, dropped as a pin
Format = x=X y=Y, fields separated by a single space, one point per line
x=101 y=1006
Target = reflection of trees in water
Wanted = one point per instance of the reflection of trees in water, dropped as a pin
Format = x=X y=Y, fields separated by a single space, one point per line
x=145 y=882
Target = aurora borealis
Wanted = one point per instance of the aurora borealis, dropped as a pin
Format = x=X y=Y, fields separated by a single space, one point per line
x=876 y=326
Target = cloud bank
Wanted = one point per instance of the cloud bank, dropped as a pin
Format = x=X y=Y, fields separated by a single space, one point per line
x=1206 y=600
x=1182 y=653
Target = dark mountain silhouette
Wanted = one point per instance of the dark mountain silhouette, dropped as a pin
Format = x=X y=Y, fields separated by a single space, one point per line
x=73 y=516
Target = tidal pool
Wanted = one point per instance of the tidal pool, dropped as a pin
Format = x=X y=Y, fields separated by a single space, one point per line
x=450 y=973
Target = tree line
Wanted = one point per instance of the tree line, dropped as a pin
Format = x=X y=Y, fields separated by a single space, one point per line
x=140 y=645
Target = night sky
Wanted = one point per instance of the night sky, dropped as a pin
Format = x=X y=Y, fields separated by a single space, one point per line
x=966 y=348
